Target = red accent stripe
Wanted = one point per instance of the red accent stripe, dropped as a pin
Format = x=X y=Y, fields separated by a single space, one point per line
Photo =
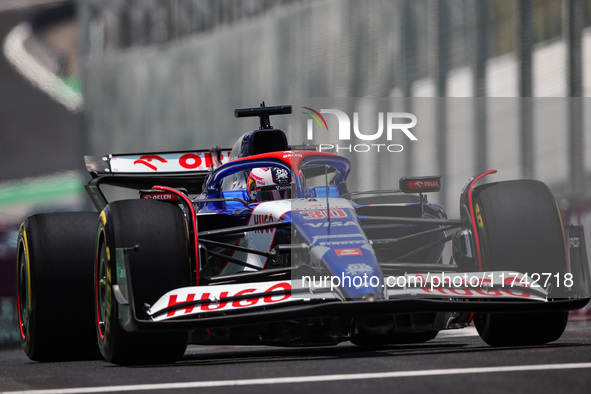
x=18 y=298
x=189 y=204
x=96 y=293
x=96 y=307
x=20 y=319
x=476 y=238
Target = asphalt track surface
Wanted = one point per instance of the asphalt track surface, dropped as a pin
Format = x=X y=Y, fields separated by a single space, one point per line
x=456 y=362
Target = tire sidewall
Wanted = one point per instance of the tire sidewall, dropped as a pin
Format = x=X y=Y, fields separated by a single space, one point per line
x=519 y=229
x=124 y=224
x=54 y=271
x=107 y=336
x=26 y=323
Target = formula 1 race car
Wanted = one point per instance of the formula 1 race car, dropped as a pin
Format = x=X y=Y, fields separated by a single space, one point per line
x=264 y=244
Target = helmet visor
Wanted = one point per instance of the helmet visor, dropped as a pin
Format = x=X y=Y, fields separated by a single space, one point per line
x=273 y=192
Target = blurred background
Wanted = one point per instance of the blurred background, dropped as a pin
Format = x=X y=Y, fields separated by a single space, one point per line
x=494 y=83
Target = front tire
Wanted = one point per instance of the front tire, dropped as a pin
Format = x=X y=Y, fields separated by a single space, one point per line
x=159 y=265
x=520 y=229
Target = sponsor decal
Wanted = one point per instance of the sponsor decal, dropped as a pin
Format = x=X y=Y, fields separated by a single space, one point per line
x=335 y=236
x=341 y=243
x=469 y=285
x=424 y=184
x=292 y=154
x=224 y=297
x=475 y=292
x=166 y=162
x=348 y=252
x=312 y=204
x=147 y=161
x=262 y=219
x=280 y=176
x=322 y=214
x=332 y=224
x=159 y=196
x=358 y=269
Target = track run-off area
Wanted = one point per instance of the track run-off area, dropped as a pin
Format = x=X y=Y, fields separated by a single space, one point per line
x=455 y=360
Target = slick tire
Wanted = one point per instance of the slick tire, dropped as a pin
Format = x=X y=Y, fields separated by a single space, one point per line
x=520 y=229
x=160 y=264
x=54 y=286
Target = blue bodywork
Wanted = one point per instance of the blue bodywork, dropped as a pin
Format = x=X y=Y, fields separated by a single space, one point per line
x=320 y=217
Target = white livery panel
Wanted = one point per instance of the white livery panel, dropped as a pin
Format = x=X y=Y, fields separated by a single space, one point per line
x=200 y=300
x=173 y=162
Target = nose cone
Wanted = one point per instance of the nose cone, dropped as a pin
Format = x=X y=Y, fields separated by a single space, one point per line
x=339 y=245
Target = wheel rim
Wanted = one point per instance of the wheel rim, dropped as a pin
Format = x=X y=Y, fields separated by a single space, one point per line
x=101 y=289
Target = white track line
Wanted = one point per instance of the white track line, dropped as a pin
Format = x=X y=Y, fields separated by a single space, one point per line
x=310 y=379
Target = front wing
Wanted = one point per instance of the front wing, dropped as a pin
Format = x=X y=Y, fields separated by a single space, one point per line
x=253 y=303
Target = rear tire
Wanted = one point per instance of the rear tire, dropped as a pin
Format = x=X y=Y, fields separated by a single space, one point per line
x=160 y=265
x=54 y=286
x=520 y=229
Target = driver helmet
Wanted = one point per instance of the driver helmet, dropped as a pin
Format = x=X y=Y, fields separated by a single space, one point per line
x=269 y=184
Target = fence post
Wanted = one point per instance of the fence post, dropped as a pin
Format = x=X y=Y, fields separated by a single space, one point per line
x=524 y=43
x=480 y=54
x=439 y=53
x=573 y=25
